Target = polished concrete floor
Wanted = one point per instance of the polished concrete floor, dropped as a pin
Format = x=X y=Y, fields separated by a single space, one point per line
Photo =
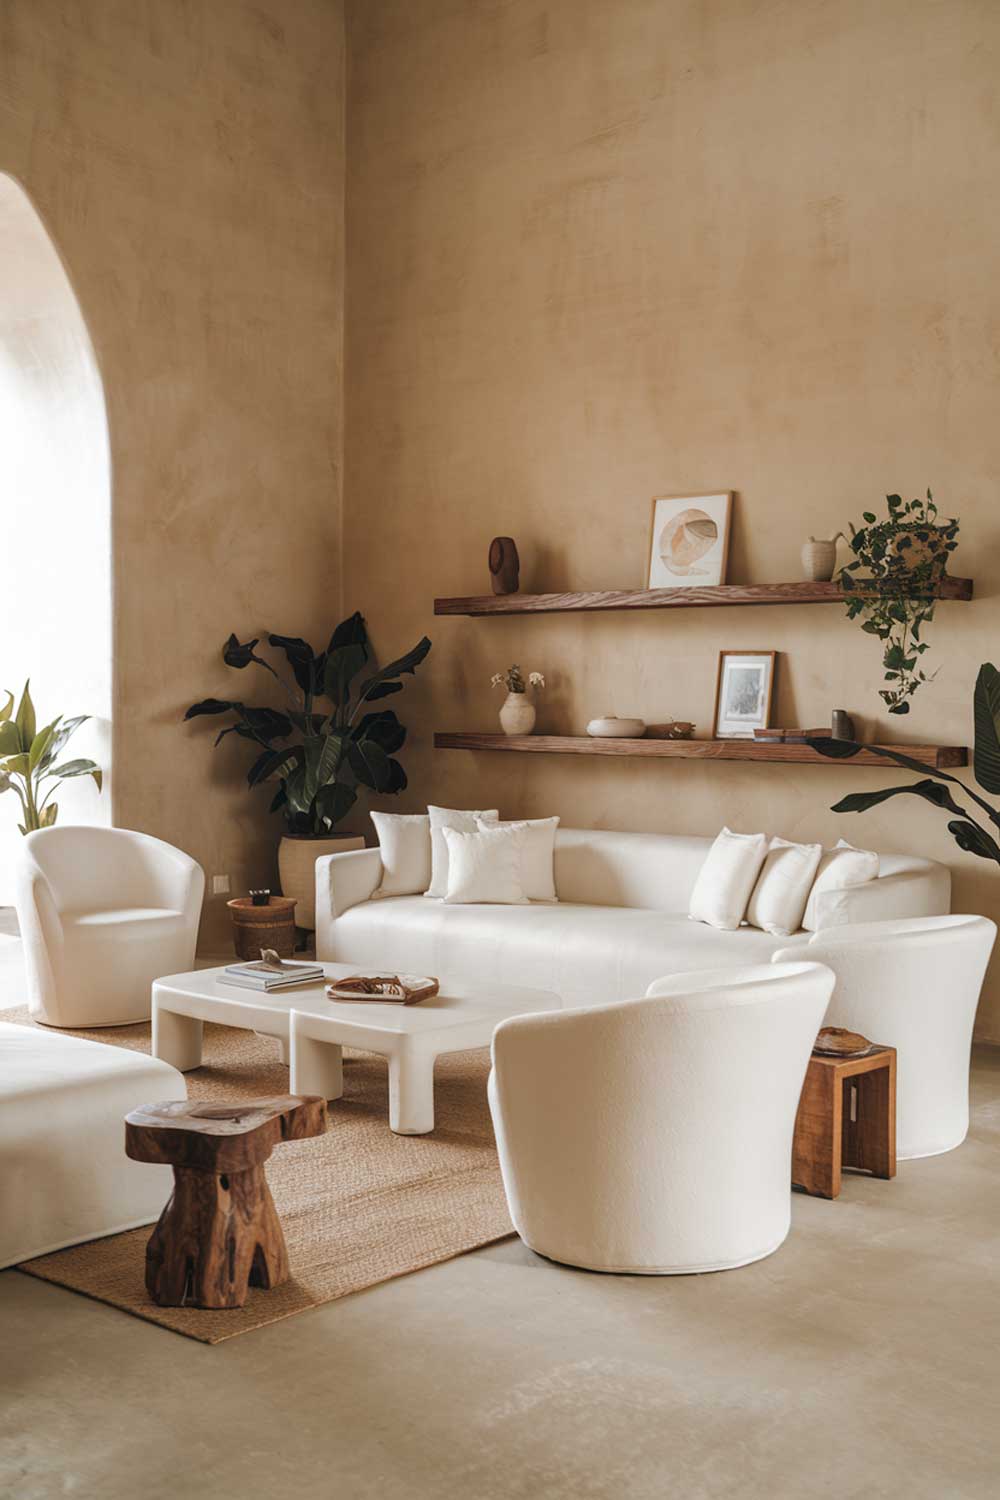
x=862 y=1360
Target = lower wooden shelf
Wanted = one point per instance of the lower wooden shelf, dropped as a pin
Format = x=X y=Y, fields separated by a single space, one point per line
x=936 y=757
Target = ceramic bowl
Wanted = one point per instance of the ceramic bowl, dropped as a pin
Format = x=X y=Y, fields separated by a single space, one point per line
x=616 y=729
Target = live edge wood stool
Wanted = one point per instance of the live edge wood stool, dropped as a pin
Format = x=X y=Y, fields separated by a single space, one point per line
x=220 y=1233
x=846 y=1118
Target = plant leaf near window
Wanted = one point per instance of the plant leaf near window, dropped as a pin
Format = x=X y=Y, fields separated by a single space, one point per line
x=890 y=587
x=27 y=760
x=329 y=752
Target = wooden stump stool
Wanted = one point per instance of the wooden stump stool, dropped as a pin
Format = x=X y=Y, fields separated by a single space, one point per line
x=220 y=1233
x=846 y=1118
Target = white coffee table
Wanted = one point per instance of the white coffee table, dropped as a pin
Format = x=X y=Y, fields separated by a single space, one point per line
x=313 y=1030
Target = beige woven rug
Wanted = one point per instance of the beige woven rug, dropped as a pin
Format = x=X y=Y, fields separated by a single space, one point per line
x=359 y=1205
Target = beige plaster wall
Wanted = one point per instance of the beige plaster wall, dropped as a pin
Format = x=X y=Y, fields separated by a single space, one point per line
x=602 y=251
x=188 y=160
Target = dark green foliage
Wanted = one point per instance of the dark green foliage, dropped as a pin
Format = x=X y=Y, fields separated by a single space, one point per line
x=331 y=751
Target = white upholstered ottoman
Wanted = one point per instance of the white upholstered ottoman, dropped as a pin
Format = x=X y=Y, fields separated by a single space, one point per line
x=64 y=1175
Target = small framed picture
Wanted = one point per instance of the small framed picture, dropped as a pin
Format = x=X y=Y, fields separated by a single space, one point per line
x=743 y=693
x=689 y=540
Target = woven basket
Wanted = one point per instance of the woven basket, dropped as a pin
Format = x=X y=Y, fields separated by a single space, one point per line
x=257 y=927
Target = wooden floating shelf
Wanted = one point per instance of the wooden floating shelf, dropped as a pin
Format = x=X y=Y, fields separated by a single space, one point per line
x=936 y=757
x=689 y=598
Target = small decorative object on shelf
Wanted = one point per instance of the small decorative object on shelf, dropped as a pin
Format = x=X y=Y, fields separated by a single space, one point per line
x=517 y=715
x=392 y=989
x=505 y=565
x=837 y=1041
x=743 y=692
x=786 y=736
x=819 y=557
x=260 y=898
x=689 y=540
x=904 y=559
x=841 y=725
x=610 y=728
x=673 y=729
x=256 y=925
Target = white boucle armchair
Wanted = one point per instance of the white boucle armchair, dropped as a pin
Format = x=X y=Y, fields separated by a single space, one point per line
x=655 y=1135
x=103 y=912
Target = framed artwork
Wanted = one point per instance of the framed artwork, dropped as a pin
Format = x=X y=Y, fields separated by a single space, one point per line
x=689 y=540
x=743 y=693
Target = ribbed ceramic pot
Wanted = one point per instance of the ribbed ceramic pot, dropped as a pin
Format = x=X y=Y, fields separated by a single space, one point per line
x=297 y=858
x=517 y=716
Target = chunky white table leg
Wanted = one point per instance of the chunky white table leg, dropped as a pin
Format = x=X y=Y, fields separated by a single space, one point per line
x=411 y=1091
x=176 y=1039
x=315 y=1067
x=285 y=1051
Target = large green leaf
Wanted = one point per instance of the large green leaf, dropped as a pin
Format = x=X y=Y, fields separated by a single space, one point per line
x=10 y=738
x=273 y=764
x=60 y=738
x=26 y=717
x=408 y=663
x=49 y=815
x=370 y=764
x=41 y=743
x=931 y=791
x=986 y=710
x=334 y=802
x=8 y=707
x=16 y=765
x=240 y=653
x=295 y=791
x=384 y=728
x=974 y=840
x=71 y=768
x=301 y=659
x=323 y=757
x=342 y=665
x=210 y=706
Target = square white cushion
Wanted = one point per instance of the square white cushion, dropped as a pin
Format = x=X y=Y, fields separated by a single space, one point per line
x=779 y=898
x=404 y=841
x=537 y=856
x=485 y=865
x=839 y=868
x=727 y=878
x=449 y=817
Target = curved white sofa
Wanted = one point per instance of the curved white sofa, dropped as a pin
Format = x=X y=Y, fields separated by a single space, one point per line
x=103 y=912
x=654 y=1136
x=620 y=921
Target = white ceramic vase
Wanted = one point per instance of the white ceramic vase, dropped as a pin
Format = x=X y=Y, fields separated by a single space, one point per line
x=297 y=868
x=517 y=716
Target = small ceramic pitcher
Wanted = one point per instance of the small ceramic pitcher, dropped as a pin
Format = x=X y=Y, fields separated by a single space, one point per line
x=517 y=716
x=819 y=558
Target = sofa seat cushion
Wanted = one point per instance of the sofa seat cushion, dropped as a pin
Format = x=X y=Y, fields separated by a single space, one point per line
x=587 y=954
x=64 y=1175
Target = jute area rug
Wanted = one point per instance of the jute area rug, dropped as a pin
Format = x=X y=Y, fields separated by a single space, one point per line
x=359 y=1205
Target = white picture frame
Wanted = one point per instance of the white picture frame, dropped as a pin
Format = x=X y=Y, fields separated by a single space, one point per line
x=689 y=540
x=744 y=692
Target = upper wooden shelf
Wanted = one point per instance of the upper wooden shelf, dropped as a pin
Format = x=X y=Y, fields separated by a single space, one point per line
x=936 y=757
x=689 y=598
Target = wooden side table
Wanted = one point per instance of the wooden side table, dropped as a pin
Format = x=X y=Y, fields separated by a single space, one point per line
x=220 y=1233
x=846 y=1118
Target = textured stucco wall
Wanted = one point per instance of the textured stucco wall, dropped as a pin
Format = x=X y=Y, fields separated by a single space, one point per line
x=187 y=158
x=602 y=251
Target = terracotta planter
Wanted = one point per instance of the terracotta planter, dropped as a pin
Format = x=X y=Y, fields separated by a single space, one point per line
x=297 y=858
x=517 y=716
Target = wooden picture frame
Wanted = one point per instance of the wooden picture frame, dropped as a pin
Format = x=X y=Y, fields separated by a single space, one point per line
x=689 y=557
x=728 y=724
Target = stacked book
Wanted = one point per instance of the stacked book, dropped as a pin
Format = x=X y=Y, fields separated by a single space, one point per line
x=262 y=975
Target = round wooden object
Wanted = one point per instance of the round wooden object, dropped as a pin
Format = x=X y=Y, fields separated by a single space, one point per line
x=837 y=1041
x=257 y=927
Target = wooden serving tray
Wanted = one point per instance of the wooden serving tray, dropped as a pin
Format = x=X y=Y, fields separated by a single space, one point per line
x=383 y=989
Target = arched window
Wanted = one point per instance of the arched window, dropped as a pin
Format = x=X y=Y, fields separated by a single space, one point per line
x=55 y=509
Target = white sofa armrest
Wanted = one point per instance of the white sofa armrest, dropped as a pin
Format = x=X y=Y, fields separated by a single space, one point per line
x=920 y=889
x=343 y=881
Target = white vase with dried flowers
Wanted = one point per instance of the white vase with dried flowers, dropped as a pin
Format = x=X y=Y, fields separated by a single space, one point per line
x=517 y=716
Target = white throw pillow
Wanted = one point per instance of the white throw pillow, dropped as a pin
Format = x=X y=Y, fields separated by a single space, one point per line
x=782 y=890
x=449 y=817
x=485 y=865
x=538 y=855
x=404 y=841
x=839 y=869
x=727 y=878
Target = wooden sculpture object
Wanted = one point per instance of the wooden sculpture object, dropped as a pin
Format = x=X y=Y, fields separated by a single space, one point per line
x=505 y=565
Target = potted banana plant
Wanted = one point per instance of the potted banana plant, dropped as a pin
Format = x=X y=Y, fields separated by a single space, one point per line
x=322 y=746
x=28 y=757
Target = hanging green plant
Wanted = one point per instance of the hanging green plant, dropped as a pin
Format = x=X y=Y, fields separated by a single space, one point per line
x=903 y=559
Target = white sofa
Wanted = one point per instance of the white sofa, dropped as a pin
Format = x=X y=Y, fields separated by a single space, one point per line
x=620 y=921
x=64 y=1175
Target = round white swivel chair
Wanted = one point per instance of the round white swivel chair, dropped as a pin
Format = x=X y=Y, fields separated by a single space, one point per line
x=913 y=984
x=103 y=912
x=655 y=1135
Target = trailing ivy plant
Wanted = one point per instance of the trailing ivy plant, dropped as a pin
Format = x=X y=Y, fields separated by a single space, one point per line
x=319 y=756
x=969 y=832
x=903 y=557
x=28 y=758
